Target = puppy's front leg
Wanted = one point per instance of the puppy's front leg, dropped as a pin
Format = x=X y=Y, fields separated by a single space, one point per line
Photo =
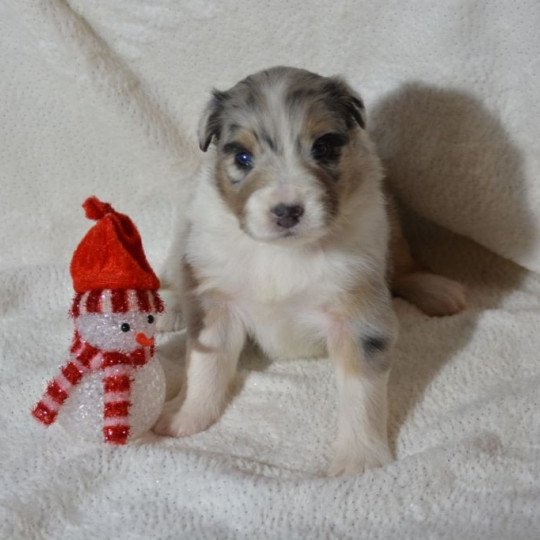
x=212 y=358
x=361 y=362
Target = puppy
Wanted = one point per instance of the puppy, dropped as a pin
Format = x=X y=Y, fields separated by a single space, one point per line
x=288 y=242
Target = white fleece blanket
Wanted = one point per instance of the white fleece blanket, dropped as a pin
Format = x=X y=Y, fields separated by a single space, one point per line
x=102 y=97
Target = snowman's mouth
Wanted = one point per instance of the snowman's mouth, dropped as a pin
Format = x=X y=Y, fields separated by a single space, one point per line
x=144 y=340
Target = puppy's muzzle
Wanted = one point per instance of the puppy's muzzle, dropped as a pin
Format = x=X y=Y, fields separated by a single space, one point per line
x=288 y=215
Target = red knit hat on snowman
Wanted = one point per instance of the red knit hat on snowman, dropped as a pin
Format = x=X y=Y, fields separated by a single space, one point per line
x=109 y=268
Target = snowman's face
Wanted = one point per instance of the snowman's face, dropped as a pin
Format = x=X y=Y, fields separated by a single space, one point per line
x=118 y=332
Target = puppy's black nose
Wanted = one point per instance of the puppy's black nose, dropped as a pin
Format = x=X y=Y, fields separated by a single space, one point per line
x=288 y=215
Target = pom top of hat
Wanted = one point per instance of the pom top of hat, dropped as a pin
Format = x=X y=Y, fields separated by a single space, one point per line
x=96 y=209
x=110 y=255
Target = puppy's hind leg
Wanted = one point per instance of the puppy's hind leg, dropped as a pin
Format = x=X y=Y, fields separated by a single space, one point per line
x=433 y=294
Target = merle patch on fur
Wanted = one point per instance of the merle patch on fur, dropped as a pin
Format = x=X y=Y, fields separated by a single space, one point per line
x=374 y=344
x=373 y=347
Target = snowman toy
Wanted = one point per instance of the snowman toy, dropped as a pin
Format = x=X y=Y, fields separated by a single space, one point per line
x=112 y=388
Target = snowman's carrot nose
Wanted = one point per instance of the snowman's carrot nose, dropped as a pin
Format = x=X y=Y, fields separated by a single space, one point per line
x=143 y=340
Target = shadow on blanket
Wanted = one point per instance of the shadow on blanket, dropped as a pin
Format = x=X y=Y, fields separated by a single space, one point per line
x=451 y=159
x=444 y=147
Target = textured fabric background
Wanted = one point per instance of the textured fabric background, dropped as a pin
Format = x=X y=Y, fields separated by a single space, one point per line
x=103 y=97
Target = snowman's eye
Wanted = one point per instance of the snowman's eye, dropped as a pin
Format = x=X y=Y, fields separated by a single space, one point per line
x=125 y=327
x=150 y=319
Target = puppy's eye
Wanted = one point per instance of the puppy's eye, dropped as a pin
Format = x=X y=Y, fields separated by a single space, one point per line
x=319 y=150
x=244 y=160
x=327 y=148
x=125 y=327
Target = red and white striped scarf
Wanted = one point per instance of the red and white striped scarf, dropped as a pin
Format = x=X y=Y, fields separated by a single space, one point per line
x=117 y=379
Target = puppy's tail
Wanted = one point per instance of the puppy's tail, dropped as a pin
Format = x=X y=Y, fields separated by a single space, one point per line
x=434 y=295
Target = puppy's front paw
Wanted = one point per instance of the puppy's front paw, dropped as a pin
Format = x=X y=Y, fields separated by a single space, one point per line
x=182 y=423
x=349 y=459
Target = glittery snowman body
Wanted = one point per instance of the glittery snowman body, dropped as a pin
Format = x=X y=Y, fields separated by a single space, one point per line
x=82 y=414
x=118 y=333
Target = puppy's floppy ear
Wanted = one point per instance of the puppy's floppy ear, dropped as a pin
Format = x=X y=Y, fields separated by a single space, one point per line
x=348 y=101
x=210 y=122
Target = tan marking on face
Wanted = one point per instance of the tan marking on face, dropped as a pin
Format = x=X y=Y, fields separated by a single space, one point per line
x=318 y=121
x=245 y=138
x=331 y=188
x=236 y=195
x=338 y=179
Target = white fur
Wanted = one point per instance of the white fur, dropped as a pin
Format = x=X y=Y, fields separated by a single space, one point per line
x=261 y=223
x=362 y=440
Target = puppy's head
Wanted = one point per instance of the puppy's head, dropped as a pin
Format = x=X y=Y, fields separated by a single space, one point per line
x=289 y=151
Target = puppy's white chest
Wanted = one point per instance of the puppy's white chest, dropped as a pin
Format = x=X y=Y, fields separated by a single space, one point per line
x=273 y=277
x=281 y=296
